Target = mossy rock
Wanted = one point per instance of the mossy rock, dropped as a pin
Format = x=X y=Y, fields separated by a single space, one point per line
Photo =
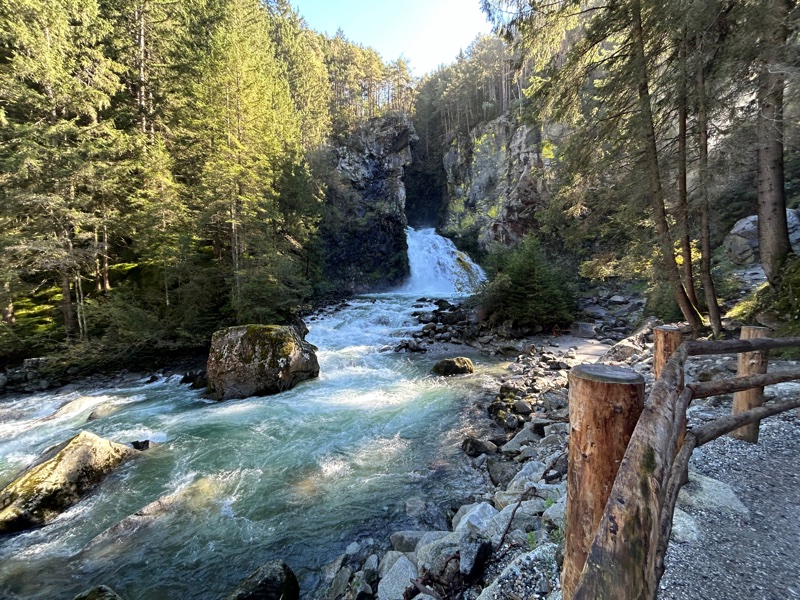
x=258 y=360
x=454 y=366
x=101 y=592
x=64 y=475
x=273 y=581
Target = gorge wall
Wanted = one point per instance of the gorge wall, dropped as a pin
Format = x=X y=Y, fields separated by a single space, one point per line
x=363 y=231
x=496 y=180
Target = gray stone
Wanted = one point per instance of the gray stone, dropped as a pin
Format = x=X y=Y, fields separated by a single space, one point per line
x=273 y=581
x=387 y=562
x=543 y=492
x=555 y=516
x=474 y=447
x=539 y=565
x=406 y=541
x=257 y=360
x=525 y=437
x=473 y=550
x=100 y=592
x=370 y=569
x=685 y=529
x=339 y=584
x=705 y=493
x=522 y=407
x=58 y=480
x=434 y=551
x=531 y=472
x=526 y=518
x=501 y=472
x=617 y=299
x=583 y=330
x=397 y=579
x=476 y=519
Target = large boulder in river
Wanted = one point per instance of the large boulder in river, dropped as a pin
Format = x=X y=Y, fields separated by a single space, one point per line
x=58 y=480
x=100 y=592
x=258 y=360
x=454 y=366
x=273 y=581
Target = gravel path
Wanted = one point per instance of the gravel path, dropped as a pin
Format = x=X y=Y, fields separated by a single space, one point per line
x=754 y=557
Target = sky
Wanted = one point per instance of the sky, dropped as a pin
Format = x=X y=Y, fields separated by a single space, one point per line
x=425 y=32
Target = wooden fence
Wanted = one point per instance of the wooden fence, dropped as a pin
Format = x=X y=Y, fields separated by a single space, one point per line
x=625 y=558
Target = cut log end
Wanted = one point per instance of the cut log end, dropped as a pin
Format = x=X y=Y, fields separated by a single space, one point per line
x=607 y=374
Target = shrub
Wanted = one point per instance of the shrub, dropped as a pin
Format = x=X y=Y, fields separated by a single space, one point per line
x=527 y=288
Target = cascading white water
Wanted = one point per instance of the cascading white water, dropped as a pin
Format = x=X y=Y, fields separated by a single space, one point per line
x=295 y=476
x=438 y=268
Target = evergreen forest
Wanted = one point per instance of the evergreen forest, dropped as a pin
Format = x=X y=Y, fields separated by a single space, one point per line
x=166 y=167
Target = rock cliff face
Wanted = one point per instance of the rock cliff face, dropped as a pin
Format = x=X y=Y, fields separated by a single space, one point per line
x=496 y=181
x=365 y=221
x=742 y=243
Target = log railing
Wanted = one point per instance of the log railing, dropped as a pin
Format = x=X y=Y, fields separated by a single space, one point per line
x=626 y=558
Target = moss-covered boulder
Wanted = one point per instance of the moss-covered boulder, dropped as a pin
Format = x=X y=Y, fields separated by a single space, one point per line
x=273 y=581
x=258 y=360
x=454 y=366
x=61 y=477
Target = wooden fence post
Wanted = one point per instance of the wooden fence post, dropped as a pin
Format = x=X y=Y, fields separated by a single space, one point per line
x=604 y=406
x=666 y=340
x=750 y=363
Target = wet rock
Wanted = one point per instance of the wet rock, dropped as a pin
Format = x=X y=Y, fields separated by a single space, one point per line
x=397 y=579
x=101 y=592
x=61 y=477
x=502 y=471
x=406 y=541
x=253 y=360
x=474 y=447
x=273 y=581
x=454 y=366
x=143 y=445
x=339 y=584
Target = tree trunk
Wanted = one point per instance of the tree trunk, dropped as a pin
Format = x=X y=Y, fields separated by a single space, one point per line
x=709 y=289
x=688 y=309
x=104 y=259
x=773 y=231
x=66 y=303
x=683 y=190
x=604 y=407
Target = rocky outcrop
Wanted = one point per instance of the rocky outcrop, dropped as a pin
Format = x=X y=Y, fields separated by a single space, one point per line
x=495 y=183
x=742 y=246
x=364 y=225
x=258 y=360
x=59 y=480
x=273 y=581
x=454 y=366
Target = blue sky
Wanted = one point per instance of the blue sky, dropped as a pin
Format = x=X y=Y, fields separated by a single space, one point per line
x=426 y=32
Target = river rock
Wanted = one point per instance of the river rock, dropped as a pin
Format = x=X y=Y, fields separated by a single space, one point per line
x=536 y=571
x=62 y=476
x=473 y=552
x=100 y=592
x=705 y=493
x=397 y=579
x=454 y=366
x=253 y=360
x=474 y=447
x=406 y=541
x=476 y=518
x=273 y=581
x=532 y=472
x=434 y=550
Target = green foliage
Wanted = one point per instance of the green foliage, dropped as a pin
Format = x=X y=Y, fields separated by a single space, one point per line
x=527 y=287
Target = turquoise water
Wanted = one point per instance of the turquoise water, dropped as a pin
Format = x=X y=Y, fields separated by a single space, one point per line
x=295 y=476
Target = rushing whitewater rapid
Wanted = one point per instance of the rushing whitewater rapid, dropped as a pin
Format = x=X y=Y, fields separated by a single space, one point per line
x=296 y=476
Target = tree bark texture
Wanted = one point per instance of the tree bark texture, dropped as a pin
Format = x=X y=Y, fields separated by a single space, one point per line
x=750 y=363
x=666 y=341
x=688 y=309
x=773 y=231
x=604 y=406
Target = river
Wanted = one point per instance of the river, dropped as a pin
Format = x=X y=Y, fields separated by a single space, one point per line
x=297 y=476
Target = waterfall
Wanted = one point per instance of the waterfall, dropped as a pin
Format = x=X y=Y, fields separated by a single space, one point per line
x=438 y=268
